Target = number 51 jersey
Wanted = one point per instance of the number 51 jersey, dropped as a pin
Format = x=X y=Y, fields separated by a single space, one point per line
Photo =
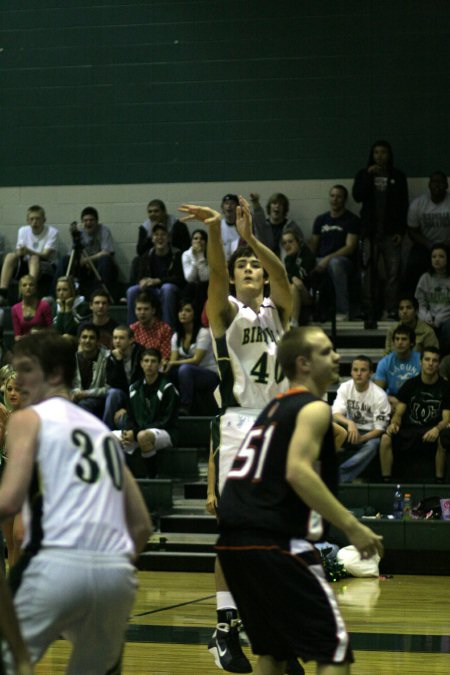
x=246 y=355
x=76 y=497
x=256 y=495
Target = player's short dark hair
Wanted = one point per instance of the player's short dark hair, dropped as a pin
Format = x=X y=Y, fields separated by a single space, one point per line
x=366 y=359
x=296 y=342
x=88 y=325
x=405 y=330
x=151 y=351
x=241 y=252
x=52 y=351
x=89 y=211
x=431 y=349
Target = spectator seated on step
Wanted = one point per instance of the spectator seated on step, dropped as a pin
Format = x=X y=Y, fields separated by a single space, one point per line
x=152 y=415
x=421 y=415
x=363 y=409
x=192 y=366
x=196 y=270
x=299 y=261
x=123 y=367
x=334 y=242
x=35 y=254
x=433 y=294
x=269 y=229
x=398 y=366
x=149 y=330
x=160 y=273
x=89 y=386
x=99 y=306
x=157 y=214
x=425 y=336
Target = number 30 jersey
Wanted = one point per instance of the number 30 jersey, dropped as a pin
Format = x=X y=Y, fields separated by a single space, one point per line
x=256 y=495
x=246 y=355
x=76 y=496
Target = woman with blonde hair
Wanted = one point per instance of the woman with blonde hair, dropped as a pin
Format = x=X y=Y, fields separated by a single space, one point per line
x=12 y=527
x=31 y=312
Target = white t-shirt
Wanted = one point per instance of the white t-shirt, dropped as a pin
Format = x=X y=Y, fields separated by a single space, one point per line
x=46 y=240
x=368 y=409
x=432 y=219
x=203 y=341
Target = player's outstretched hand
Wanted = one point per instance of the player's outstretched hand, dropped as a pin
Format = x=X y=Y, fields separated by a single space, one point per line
x=203 y=213
x=365 y=540
x=244 y=219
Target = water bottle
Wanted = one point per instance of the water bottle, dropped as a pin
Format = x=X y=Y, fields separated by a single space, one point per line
x=407 y=506
x=398 y=504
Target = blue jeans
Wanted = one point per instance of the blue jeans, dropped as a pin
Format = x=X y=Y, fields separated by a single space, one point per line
x=167 y=295
x=190 y=378
x=115 y=399
x=339 y=270
x=364 y=453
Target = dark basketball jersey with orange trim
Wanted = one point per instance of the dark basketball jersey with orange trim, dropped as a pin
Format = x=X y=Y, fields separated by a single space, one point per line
x=257 y=495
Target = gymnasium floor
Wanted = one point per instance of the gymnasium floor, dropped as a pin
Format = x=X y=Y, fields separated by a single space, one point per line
x=399 y=625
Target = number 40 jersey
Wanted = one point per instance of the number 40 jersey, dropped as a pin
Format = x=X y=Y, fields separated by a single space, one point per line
x=246 y=356
x=76 y=496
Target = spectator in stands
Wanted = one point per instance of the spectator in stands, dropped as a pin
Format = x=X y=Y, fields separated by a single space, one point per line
x=398 y=366
x=422 y=413
x=123 y=367
x=35 y=253
x=408 y=308
x=160 y=273
x=70 y=309
x=230 y=235
x=196 y=270
x=12 y=402
x=152 y=414
x=269 y=229
x=428 y=224
x=157 y=215
x=299 y=261
x=89 y=386
x=363 y=409
x=193 y=368
x=433 y=295
x=149 y=331
x=95 y=245
x=99 y=306
x=31 y=312
x=383 y=191
x=334 y=242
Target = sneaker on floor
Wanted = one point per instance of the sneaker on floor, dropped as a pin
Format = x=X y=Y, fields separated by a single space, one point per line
x=227 y=651
x=293 y=667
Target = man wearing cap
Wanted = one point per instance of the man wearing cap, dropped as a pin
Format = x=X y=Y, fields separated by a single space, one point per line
x=161 y=273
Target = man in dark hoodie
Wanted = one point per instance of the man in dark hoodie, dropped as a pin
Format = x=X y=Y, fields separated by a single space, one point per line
x=383 y=192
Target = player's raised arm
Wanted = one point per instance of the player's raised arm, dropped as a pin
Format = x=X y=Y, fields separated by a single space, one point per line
x=220 y=310
x=280 y=290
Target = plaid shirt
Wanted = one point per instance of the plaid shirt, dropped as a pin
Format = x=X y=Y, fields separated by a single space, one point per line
x=158 y=336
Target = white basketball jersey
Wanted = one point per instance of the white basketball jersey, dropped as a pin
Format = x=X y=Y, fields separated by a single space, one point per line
x=246 y=355
x=76 y=496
